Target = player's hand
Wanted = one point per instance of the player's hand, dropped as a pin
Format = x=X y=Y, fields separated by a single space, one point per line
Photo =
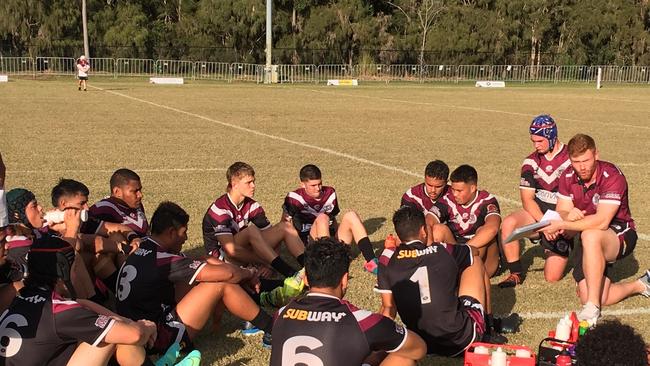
x=72 y=220
x=135 y=244
x=552 y=231
x=150 y=330
x=264 y=272
x=253 y=282
x=575 y=214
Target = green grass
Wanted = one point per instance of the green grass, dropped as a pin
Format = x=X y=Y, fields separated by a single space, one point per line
x=50 y=130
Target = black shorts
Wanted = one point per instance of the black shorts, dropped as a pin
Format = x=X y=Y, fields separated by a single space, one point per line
x=627 y=238
x=474 y=311
x=170 y=331
x=560 y=246
x=307 y=239
x=83 y=77
x=544 y=206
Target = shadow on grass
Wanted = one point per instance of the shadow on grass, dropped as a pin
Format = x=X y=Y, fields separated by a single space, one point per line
x=374 y=224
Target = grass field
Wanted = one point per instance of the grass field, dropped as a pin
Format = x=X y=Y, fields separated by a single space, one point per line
x=372 y=143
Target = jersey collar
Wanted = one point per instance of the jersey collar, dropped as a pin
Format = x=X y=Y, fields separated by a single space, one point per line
x=319 y=294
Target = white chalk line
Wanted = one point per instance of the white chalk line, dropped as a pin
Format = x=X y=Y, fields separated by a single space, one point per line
x=336 y=153
x=156 y=170
x=476 y=109
x=298 y=143
x=605 y=312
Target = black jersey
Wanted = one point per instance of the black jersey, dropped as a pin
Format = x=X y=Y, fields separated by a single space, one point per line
x=42 y=328
x=424 y=282
x=320 y=329
x=145 y=285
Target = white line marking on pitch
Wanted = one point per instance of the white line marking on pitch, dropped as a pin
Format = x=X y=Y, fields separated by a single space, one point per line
x=158 y=170
x=477 y=109
x=298 y=143
x=561 y=314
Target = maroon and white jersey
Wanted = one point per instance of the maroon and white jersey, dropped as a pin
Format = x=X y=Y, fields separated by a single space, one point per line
x=224 y=217
x=610 y=187
x=464 y=220
x=303 y=209
x=18 y=245
x=320 y=329
x=542 y=175
x=114 y=210
x=145 y=284
x=417 y=197
x=42 y=328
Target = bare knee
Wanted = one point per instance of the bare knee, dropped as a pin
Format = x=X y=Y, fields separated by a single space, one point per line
x=322 y=219
x=351 y=217
x=509 y=223
x=552 y=277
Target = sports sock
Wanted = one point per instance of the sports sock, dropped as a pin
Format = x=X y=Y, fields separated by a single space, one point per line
x=263 y=321
x=366 y=249
x=515 y=267
x=489 y=322
x=301 y=259
x=281 y=266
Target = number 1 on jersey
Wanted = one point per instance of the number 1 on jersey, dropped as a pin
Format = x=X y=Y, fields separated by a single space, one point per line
x=421 y=277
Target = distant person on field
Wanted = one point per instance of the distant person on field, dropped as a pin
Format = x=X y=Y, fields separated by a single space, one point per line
x=593 y=203
x=425 y=195
x=321 y=328
x=82 y=72
x=540 y=177
x=312 y=209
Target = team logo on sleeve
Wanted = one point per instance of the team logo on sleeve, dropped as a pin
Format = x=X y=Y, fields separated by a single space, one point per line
x=399 y=329
x=102 y=321
x=195 y=264
x=523 y=182
x=491 y=208
x=612 y=196
x=595 y=199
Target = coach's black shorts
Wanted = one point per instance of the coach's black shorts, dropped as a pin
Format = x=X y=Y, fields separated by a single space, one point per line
x=83 y=77
x=627 y=239
x=560 y=246
x=170 y=331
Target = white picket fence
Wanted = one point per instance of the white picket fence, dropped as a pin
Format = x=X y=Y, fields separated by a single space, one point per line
x=309 y=73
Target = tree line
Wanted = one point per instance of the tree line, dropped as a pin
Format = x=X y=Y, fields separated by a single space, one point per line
x=336 y=31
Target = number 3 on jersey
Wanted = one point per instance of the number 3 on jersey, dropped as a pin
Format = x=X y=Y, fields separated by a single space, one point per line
x=127 y=275
x=421 y=277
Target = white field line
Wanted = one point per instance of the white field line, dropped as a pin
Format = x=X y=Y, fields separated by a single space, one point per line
x=298 y=143
x=476 y=109
x=156 y=170
x=561 y=314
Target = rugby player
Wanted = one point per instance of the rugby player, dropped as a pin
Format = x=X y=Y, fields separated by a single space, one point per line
x=148 y=278
x=321 y=328
x=471 y=216
x=43 y=327
x=438 y=290
x=4 y=220
x=227 y=229
x=540 y=175
x=425 y=195
x=593 y=203
x=312 y=209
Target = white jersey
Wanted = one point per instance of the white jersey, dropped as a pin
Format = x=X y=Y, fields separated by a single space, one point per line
x=82 y=69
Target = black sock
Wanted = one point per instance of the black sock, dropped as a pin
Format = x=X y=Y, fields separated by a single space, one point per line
x=515 y=267
x=263 y=321
x=366 y=249
x=111 y=280
x=489 y=321
x=282 y=267
x=301 y=259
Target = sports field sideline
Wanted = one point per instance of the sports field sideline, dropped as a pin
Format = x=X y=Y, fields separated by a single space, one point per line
x=372 y=143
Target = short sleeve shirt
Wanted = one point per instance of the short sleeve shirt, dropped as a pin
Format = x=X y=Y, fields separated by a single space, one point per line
x=224 y=217
x=114 y=210
x=145 y=284
x=319 y=329
x=542 y=175
x=303 y=209
x=610 y=187
x=465 y=220
x=418 y=198
x=44 y=328
x=424 y=282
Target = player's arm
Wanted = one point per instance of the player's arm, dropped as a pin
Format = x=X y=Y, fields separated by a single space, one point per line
x=388 y=308
x=528 y=202
x=605 y=212
x=412 y=350
x=140 y=333
x=486 y=233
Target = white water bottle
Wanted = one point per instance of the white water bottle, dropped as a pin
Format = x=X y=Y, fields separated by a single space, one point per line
x=58 y=216
x=498 y=358
x=563 y=329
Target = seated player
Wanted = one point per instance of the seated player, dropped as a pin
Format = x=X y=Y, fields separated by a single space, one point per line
x=593 y=203
x=425 y=195
x=227 y=229
x=45 y=328
x=25 y=221
x=321 y=328
x=612 y=343
x=471 y=216
x=146 y=284
x=4 y=220
x=438 y=290
x=540 y=176
x=120 y=216
x=312 y=209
